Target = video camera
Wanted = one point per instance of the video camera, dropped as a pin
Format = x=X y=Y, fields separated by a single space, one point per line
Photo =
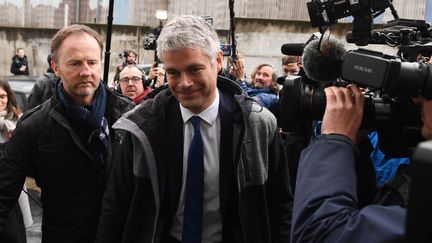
x=326 y=13
x=389 y=81
x=150 y=43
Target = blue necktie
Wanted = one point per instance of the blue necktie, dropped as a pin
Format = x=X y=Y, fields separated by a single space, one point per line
x=193 y=210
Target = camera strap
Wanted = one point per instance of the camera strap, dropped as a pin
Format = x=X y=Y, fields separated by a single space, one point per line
x=396 y=191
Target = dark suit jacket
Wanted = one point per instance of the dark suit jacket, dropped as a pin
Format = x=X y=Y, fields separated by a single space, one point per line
x=175 y=163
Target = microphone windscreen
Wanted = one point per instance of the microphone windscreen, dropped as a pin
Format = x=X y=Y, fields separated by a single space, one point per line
x=324 y=63
x=292 y=49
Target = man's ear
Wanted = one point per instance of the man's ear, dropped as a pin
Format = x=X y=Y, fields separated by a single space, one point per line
x=219 y=60
x=55 y=68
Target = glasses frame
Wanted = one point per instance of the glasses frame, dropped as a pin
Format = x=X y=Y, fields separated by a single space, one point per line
x=135 y=80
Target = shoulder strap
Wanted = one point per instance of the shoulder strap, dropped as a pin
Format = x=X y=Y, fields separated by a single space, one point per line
x=396 y=190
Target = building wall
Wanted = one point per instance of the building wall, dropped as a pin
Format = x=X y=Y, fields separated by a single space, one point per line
x=51 y=13
x=258 y=40
x=261 y=26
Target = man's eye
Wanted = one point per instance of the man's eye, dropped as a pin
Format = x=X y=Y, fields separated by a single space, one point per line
x=172 y=73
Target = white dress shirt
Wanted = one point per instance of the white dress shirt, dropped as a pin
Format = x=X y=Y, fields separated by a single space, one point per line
x=210 y=132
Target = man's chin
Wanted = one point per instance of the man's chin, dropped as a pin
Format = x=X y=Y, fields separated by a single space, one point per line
x=84 y=92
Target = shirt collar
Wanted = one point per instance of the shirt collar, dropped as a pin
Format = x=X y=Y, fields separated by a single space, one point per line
x=209 y=115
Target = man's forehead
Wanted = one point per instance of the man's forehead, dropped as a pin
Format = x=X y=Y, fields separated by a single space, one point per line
x=266 y=69
x=130 y=71
x=185 y=57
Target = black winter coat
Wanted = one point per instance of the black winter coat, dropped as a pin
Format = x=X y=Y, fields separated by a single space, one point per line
x=45 y=144
x=42 y=90
x=17 y=63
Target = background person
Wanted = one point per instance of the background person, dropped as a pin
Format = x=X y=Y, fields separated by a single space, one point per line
x=20 y=216
x=130 y=58
x=132 y=83
x=20 y=64
x=159 y=73
x=291 y=65
x=264 y=87
x=44 y=87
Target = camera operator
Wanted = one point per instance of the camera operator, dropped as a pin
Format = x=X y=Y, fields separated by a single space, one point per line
x=131 y=59
x=326 y=204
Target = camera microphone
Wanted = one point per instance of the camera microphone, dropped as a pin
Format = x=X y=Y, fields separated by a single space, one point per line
x=292 y=49
x=323 y=63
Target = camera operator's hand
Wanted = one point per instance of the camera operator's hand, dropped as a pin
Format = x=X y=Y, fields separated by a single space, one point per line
x=120 y=67
x=344 y=111
x=153 y=72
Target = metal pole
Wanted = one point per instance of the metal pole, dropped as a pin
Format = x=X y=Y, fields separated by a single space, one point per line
x=108 y=41
x=232 y=30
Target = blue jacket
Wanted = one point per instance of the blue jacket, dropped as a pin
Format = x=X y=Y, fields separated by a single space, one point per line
x=385 y=168
x=325 y=202
x=266 y=97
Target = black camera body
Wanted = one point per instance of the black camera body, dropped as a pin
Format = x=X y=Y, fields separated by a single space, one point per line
x=150 y=43
x=410 y=36
x=389 y=81
x=326 y=13
x=387 y=73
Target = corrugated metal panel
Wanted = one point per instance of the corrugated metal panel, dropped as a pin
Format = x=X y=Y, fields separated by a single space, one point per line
x=36 y=13
x=218 y=10
x=272 y=9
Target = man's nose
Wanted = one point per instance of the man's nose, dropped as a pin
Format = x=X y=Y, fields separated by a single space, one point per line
x=186 y=81
x=86 y=70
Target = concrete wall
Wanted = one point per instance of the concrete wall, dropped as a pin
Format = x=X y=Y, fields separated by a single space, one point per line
x=258 y=40
x=36 y=43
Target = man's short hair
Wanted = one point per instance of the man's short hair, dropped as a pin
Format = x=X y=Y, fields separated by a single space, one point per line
x=143 y=74
x=133 y=52
x=289 y=59
x=62 y=34
x=188 y=31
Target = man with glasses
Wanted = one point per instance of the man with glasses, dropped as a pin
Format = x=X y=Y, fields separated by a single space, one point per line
x=132 y=83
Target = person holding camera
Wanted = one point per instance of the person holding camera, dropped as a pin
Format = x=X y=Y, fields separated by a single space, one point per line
x=130 y=59
x=157 y=76
x=264 y=88
x=326 y=207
